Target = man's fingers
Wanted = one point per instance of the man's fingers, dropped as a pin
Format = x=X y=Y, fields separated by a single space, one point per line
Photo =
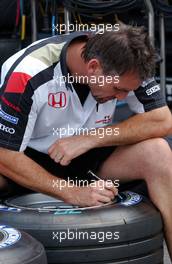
x=103 y=185
x=51 y=148
x=55 y=156
x=53 y=153
x=102 y=194
x=112 y=188
x=103 y=199
x=107 y=193
x=58 y=158
x=64 y=161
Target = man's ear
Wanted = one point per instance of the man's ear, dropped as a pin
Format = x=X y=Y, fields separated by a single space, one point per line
x=93 y=67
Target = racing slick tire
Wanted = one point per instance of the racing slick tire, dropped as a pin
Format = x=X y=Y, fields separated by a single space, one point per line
x=18 y=247
x=127 y=230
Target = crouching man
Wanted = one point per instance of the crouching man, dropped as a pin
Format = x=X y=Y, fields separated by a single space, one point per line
x=39 y=101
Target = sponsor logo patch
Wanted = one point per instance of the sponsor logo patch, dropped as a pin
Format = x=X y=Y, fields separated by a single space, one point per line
x=106 y=120
x=57 y=100
x=6 y=129
x=153 y=90
x=9 y=118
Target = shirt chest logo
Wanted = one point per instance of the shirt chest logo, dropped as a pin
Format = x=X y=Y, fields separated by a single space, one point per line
x=106 y=120
x=57 y=100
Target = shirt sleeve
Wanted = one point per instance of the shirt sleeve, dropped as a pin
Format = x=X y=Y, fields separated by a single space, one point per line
x=134 y=104
x=18 y=111
x=150 y=95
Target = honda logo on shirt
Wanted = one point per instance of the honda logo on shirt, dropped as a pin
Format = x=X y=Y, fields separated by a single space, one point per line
x=57 y=100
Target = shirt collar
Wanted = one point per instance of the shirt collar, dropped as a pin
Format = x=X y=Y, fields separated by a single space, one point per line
x=63 y=64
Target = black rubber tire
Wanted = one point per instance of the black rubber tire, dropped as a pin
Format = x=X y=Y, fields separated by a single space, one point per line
x=153 y=258
x=18 y=247
x=139 y=225
x=105 y=253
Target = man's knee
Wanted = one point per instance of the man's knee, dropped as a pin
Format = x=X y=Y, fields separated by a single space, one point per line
x=157 y=156
x=155 y=148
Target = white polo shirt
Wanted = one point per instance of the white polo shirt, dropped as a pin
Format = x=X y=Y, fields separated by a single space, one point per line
x=37 y=107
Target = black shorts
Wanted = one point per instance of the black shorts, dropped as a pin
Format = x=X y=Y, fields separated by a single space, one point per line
x=78 y=167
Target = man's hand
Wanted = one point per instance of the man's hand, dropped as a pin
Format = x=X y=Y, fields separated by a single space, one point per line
x=89 y=195
x=66 y=149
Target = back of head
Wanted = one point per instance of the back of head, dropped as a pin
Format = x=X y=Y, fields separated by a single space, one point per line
x=127 y=50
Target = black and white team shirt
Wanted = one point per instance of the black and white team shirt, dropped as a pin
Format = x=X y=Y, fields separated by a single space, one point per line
x=37 y=107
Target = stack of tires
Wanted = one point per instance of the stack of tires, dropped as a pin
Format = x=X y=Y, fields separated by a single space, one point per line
x=19 y=248
x=128 y=230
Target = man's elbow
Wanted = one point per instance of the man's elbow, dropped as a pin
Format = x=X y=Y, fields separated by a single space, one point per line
x=168 y=126
x=161 y=119
x=166 y=123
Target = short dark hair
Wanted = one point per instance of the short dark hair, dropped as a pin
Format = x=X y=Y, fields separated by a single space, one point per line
x=127 y=50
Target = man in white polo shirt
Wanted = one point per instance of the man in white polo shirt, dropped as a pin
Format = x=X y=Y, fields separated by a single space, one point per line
x=42 y=112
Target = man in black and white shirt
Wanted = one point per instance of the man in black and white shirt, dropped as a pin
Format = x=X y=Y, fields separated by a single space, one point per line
x=42 y=111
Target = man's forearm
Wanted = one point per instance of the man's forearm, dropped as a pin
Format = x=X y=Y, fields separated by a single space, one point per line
x=135 y=129
x=24 y=171
x=156 y=123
